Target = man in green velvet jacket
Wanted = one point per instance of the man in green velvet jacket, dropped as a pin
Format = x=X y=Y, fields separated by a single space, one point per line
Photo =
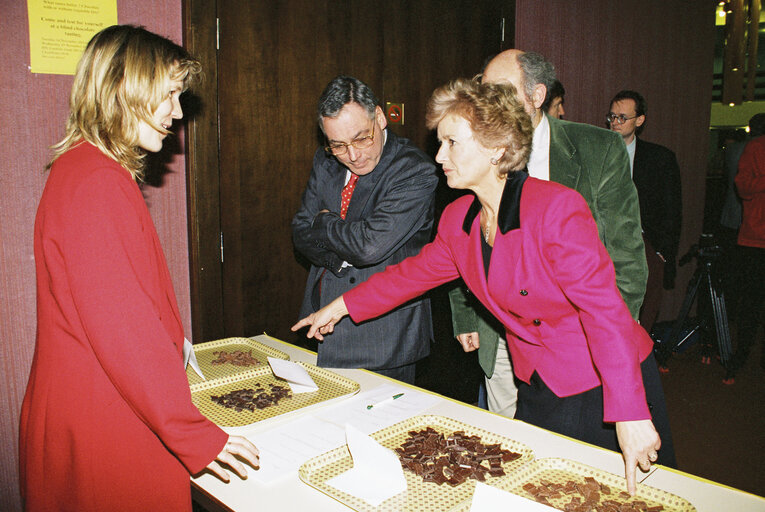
x=594 y=162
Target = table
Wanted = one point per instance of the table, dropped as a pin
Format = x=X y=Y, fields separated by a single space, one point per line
x=290 y=493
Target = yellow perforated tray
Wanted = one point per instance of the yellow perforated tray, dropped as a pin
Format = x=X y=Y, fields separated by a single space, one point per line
x=204 y=355
x=561 y=471
x=331 y=386
x=419 y=496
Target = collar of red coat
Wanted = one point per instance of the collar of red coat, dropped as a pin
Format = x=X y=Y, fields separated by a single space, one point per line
x=509 y=205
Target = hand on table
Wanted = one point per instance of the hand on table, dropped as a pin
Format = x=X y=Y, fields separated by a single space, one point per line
x=469 y=341
x=236 y=446
x=640 y=445
x=324 y=320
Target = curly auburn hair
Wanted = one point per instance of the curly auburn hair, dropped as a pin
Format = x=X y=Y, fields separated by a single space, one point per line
x=496 y=115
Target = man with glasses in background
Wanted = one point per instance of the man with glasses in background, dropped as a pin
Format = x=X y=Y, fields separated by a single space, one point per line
x=368 y=204
x=656 y=175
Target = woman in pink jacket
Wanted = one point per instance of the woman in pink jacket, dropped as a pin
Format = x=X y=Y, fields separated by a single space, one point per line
x=529 y=251
x=107 y=421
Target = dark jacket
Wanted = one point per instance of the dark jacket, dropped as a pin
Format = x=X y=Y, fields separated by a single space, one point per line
x=657 y=179
x=390 y=217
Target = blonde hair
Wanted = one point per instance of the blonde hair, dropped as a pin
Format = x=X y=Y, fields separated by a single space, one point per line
x=496 y=115
x=120 y=82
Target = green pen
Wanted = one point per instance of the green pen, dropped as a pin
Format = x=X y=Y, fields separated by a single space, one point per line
x=394 y=397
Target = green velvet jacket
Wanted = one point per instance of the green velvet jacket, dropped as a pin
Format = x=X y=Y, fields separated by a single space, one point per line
x=594 y=162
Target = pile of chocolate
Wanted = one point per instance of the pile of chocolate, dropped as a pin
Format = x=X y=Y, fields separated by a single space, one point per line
x=252 y=399
x=585 y=497
x=237 y=358
x=451 y=459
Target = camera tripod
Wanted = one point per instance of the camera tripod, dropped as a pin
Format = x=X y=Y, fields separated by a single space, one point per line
x=709 y=312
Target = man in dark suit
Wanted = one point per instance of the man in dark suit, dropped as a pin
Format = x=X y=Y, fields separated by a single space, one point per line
x=657 y=179
x=368 y=204
x=591 y=161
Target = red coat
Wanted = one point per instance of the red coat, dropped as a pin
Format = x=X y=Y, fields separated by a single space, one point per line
x=551 y=283
x=107 y=421
x=750 y=183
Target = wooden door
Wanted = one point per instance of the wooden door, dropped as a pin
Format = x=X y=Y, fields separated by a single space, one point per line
x=252 y=139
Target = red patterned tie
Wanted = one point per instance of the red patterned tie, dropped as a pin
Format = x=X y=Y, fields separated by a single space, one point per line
x=347 y=193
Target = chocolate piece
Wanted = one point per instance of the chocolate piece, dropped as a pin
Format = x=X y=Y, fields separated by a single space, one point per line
x=451 y=459
x=236 y=358
x=251 y=399
x=585 y=496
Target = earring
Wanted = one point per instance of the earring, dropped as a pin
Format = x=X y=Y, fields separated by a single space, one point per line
x=493 y=161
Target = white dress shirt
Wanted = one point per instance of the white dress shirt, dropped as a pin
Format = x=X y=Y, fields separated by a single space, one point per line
x=631 y=152
x=539 y=160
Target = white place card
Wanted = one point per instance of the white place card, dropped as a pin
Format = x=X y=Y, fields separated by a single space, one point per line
x=190 y=358
x=376 y=474
x=296 y=376
x=490 y=499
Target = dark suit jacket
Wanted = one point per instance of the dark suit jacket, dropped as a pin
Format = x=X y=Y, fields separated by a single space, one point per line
x=390 y=217
x=594 y=162
x=657 y=179
x=550 y=282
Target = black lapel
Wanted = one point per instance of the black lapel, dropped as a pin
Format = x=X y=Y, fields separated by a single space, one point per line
x=509 y=205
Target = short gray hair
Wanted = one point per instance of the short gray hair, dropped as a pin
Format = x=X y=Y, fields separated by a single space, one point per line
x=341 y=91
x=536 y=70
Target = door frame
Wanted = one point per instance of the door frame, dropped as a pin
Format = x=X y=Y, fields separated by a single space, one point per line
x=203 y=176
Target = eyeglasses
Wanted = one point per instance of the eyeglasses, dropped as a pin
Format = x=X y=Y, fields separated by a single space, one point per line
x=619 y=119
x=340 y=148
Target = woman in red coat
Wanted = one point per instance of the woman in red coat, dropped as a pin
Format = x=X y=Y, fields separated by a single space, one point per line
x=107 y=421
x=750 y=184
x=529 y=251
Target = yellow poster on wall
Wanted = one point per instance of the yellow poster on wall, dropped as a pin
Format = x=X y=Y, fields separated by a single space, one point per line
x=59 y=30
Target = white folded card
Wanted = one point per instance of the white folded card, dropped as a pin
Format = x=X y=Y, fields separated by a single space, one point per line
x=489 y=499
x=376 y=474
x=295 y=375
x=190 y=358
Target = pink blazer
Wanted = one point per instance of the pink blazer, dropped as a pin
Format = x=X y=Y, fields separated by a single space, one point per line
x=551 y=283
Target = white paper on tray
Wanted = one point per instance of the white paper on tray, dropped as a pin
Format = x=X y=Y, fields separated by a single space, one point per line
x=376 y=474
x=190 y=358
x=489 y=499
x=296 y=376
x=285 y=447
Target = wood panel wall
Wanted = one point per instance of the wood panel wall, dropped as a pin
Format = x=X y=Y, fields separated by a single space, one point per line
x=33 y=109
x=664 y=50
x=272 y=64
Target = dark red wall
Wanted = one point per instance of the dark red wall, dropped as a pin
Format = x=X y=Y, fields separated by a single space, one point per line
x=661 y=49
